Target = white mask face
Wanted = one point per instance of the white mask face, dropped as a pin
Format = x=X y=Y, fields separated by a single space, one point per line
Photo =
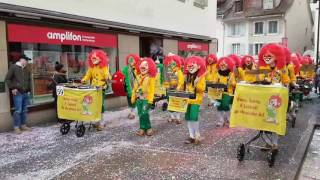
x=193 y=68
x=95 y=59
x=269 y=58
x=144 y=68
x=223 y=66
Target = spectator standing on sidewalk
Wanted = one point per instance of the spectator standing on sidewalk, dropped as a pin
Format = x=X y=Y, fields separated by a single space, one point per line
x=58 y=77
x=19 y=82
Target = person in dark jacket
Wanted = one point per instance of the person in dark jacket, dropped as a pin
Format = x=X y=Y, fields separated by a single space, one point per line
x=19 y=82
x=58 y=77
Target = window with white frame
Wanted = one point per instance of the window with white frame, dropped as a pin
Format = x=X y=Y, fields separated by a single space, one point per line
x=268 y=4
x=236 y=48
x=273 y=27
x=235 y=29
x=258 y=28
x=256 y=48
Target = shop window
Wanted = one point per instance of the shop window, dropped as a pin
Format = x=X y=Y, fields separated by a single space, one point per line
x=44 y=57
x=151 y=47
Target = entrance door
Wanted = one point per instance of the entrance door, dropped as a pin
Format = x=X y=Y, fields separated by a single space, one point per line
x=151 y=47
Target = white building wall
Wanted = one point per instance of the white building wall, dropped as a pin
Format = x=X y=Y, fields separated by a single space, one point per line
x=299 y=31
x=171 y=15
x=220 y=36
x=241 y=39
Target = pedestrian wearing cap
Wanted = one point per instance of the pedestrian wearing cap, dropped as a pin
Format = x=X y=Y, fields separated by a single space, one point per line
x=19 y=82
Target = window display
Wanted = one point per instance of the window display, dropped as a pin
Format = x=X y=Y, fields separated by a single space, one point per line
x=44 y=56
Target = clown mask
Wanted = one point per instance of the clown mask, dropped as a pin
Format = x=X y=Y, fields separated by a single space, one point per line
x=131 y=62
x=193 y=68
x=95 y=59
x=144 y=68
x=172 y=66
x=269 y=58
x=248 y=62
x=210 y=61
x=223 y=66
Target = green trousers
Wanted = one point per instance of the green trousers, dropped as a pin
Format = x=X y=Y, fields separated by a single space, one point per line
x=225 y=103
x=143 y=112
x=192 y=112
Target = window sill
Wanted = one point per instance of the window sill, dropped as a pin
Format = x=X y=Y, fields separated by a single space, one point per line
x=257 y=35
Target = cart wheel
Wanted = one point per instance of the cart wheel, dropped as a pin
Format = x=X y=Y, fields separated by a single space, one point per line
x=272 y=157
x=80 y=130
x=164 y=106
x=241 y=152
x=293 y=123
x=65 y=128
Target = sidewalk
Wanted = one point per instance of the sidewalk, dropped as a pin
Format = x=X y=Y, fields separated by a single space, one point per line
x=117 y=153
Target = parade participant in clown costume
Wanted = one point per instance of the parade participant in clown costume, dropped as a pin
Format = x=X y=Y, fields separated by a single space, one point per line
x=248 y=64
x=98 y=75
x=238 y=72
x=273 y=57
x=225 y=76
x=195 y=69
x=211 y=61
x=130 y=73
x=143 y=94
x=174 y=80
x=306 y=60
x=290 y=67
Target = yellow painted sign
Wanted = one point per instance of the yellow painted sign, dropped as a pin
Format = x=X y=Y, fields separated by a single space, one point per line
x=79 y=104
x=215 y=93
x=260 y=107
x=178 y=104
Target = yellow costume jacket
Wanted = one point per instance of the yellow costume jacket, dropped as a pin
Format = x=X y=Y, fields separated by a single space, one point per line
x=307 y=74
x=199 y=87
x=143 y=89
x=176 y=82
x=292 y=76
x=211 y=71
x=275 y=76
x=241 y=74
x=229 y=80
x=97 y=76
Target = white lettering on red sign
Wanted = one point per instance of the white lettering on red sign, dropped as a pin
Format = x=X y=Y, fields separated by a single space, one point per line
x=193 y=46
x=70 y=36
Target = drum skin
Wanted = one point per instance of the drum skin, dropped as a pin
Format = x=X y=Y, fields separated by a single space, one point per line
x=118 y=84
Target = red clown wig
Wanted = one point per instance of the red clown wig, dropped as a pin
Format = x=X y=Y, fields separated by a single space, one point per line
x=245 y=58
x=274 y=50
x=195 y=60
x=135 y=58
x=288 y=55
x=236 y=59
x=212 y=57
x=104 y=60
x=296 y=63
x=151 y=65
x=173 y=58
x=228 y=61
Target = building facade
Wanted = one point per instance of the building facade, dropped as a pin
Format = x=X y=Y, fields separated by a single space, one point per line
x=66 y=31
x=251 y=24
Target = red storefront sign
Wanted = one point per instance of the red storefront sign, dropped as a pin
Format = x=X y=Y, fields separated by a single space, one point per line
x=192 y=46
x=35 y=34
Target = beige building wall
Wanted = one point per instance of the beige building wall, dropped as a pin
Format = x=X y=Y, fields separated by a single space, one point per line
x=5 y=117
x=170 y=46
x=128 y=44
x=299 y=26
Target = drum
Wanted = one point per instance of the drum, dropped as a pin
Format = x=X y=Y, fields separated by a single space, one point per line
x=118 y=84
